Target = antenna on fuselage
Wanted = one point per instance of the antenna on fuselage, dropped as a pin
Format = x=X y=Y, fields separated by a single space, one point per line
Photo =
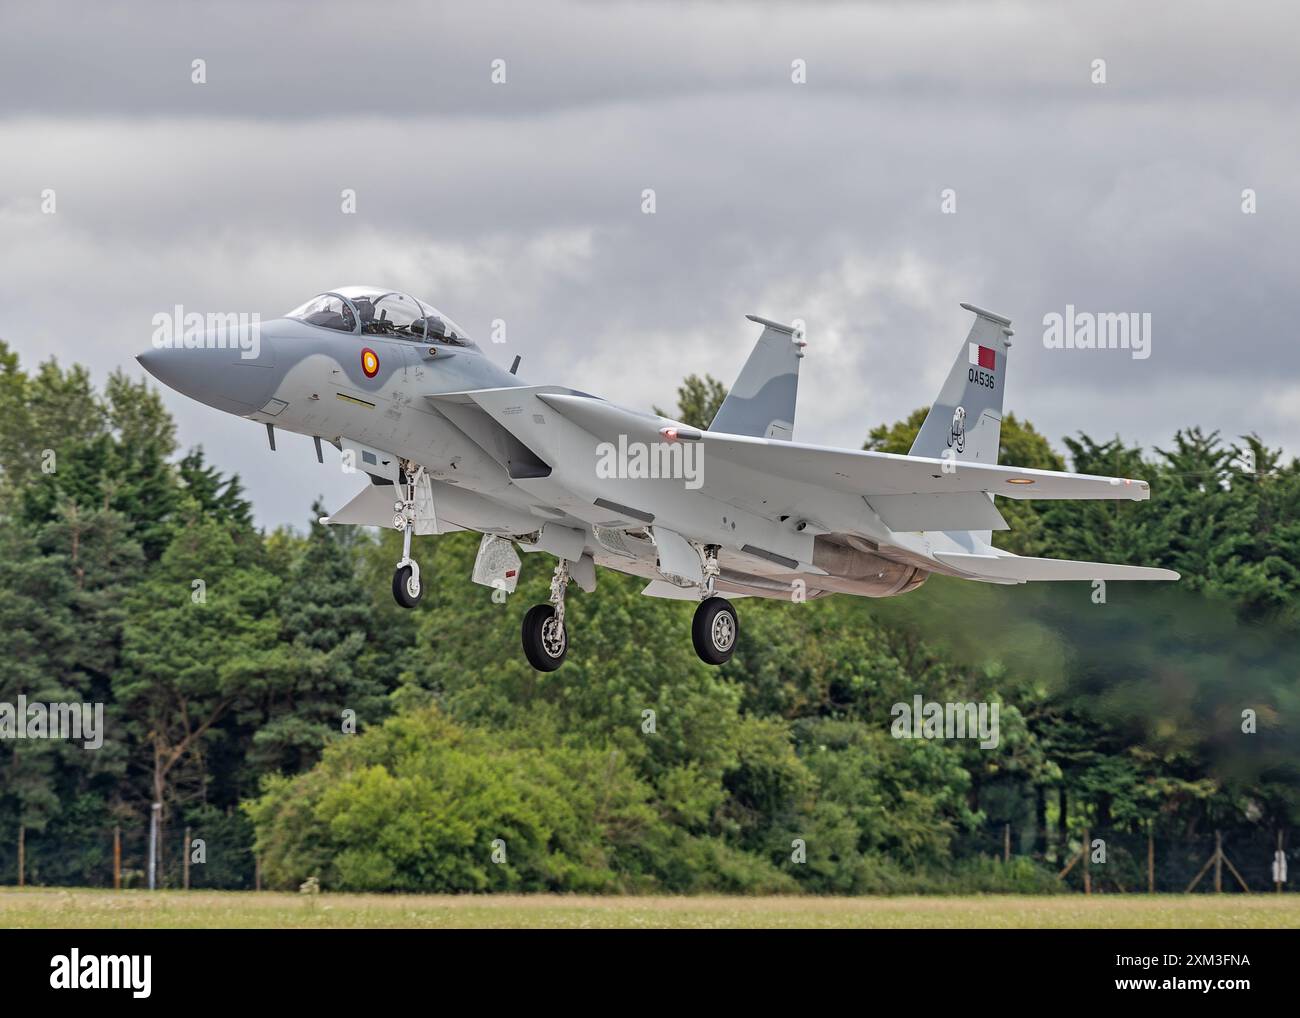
x=515 y=366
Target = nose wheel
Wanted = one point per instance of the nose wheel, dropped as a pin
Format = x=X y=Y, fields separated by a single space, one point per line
x=546 y=640
x=408 y=588
x=715 y=630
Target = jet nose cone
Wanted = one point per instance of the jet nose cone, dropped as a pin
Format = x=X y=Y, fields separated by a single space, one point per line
x=238 y=380
x=164 y=365
x=149 y=361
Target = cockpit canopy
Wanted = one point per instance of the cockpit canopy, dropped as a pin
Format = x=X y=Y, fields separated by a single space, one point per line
x=374 y=311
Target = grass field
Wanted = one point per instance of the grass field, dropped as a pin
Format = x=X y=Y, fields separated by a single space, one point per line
x=57 y=908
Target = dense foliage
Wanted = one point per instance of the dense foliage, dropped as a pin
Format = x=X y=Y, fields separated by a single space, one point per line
x=266 y=690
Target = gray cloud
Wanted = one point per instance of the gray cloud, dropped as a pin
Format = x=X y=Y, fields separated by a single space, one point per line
x=820 y=201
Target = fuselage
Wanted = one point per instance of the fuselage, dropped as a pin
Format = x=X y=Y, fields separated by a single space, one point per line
x=392 y=388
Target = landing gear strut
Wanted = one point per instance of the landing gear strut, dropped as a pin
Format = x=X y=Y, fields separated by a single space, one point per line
x=546 y=641
x=407 y=586
x=715 y=627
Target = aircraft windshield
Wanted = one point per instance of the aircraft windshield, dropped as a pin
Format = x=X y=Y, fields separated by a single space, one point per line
x=329 y=311
x=373 y=311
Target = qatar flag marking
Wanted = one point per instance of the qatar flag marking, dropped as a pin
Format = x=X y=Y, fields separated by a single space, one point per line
x=985 y=356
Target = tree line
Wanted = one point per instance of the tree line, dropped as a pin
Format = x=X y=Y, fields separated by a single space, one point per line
x=265 y=689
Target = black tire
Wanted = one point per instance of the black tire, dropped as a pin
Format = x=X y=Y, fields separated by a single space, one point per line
x=402 y=587
x=544 y=646
x=715 y=630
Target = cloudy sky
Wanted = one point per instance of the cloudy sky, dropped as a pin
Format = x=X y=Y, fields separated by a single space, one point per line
x=821 y=200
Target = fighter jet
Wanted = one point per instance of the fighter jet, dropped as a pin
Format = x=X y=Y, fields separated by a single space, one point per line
x=448 y=440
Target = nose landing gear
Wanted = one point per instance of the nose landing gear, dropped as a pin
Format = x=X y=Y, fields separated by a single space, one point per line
x=407 y=586
x=546 y=641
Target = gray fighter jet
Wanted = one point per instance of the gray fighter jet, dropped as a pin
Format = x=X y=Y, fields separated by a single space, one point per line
x=450 y=441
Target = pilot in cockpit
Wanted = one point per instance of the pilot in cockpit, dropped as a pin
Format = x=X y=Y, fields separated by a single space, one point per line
x=366 y=315
x=374 y=312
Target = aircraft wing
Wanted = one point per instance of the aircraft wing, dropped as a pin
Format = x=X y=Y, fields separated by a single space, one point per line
x=887 y=474
x=908 y=493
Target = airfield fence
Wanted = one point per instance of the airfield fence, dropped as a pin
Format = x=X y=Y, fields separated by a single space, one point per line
x=1129 y=861
x=69 y=855
x=1124 y=862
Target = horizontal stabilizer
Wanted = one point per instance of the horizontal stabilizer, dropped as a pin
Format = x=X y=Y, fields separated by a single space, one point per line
x=1021 y=569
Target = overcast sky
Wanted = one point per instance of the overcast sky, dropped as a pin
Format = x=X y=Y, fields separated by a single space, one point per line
x=822 y=200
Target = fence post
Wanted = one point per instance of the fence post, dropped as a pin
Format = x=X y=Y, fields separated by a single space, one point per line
x=117 y=857
x=187 y=858
x=22 y=853
x=1006 y=843
x=1087 y=857
x=1218 y=862
x=1151 y=857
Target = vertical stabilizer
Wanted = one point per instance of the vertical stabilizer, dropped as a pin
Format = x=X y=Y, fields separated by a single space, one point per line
x=761 y=403
x=965 y=422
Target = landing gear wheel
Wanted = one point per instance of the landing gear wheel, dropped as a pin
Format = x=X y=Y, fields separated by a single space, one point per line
x=407 y=588
x=546 y=641
x=715 y=630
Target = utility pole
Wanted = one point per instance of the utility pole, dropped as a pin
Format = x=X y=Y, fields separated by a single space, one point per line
x=22 y=853
x=153 y=845
x=117 y=857
x=187 y=858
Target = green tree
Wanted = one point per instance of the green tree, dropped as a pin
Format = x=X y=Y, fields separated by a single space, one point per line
x=202 y=639
x=698 y=400
x=326 y=627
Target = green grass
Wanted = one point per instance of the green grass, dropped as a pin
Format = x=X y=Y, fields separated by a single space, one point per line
x=71 y=909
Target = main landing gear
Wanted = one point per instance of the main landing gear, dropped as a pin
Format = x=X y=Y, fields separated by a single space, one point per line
x=546 y=641
x=716 y=627
x=407 y=586
x=714 y=630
